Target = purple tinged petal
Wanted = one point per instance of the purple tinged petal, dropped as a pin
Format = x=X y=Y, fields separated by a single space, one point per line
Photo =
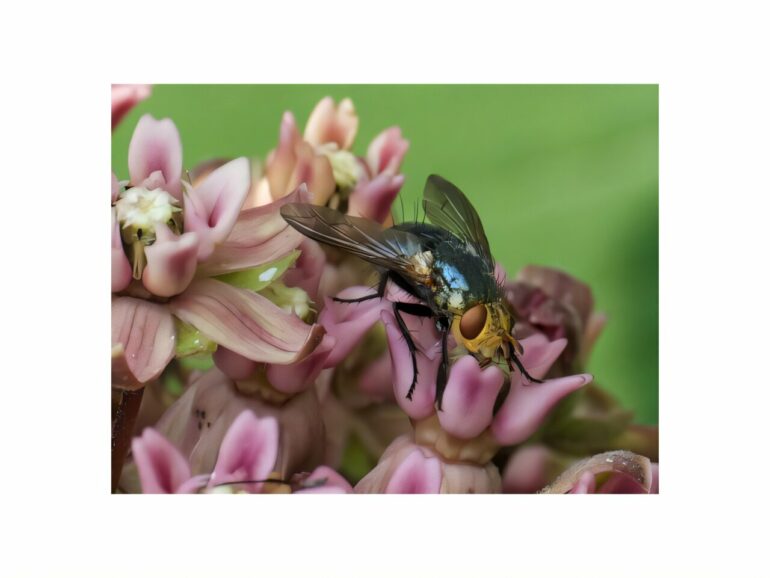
x=171 y=262
x=424 y=394
x=527 y=470
x=416 y=474
x=333 y=483
x=248 y=451
x=234 y=365
x=526 y=406
x=330 y=123
x=469 y=398
x=146 y=332
x=245 y=322
x=308 y=268
x=212 y=208
x=374 y=199
x=386 y=152
x=125 y=97
x=121 y=268
x=377 y=379
x=156 y=146
x=297 y=377
x=162 y=468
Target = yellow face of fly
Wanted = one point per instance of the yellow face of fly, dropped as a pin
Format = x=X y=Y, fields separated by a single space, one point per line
x=483 y=328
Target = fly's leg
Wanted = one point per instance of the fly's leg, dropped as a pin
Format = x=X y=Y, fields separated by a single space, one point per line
x=523 y=371
x=380 y=292
x=442 y=324
x=418 y=311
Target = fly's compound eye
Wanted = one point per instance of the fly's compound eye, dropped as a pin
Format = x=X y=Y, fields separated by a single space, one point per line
x=473 y=321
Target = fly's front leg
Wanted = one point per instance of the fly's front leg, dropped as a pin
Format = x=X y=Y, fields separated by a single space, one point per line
x=442 y=324
x=419 y=311
x=512 y=358
x=380 y=292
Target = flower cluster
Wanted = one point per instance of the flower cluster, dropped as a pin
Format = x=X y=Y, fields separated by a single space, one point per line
x=235 y=370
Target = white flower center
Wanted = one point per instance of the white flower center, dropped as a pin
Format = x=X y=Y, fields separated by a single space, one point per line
x=140 y=208
x=345 y=166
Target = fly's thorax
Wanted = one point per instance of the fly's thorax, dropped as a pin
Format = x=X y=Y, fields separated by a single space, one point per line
x=482 y=328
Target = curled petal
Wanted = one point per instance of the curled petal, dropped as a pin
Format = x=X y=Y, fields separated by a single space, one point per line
x=328 y=123
x=540 y=354
x=245 y=322
x=171 y=262
x=386 y=152
x=162 y=468
x=234 y=365
x=121 y=268
x=260 y=235
x=349 y=322
x=248 y=451
x=146 y=332
x=526 y=406
x=156 y=146
x=125 y=97
x=424 y=394
x=469 y=398
x=212 y=207
x=324 y=480
x=629 y=473
x=417 y=474
x=281 y=163
x=373 y=199
x=315 y=171
x=297 y=377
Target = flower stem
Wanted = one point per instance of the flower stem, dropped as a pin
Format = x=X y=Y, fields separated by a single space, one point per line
x=122 y=428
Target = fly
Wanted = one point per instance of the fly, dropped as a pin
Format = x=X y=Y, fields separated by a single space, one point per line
x=446 y=264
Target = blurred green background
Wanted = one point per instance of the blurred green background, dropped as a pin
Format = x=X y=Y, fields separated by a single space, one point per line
x=565 y=176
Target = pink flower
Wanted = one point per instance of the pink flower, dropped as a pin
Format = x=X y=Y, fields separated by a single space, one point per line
x=322 y=159
x=246 y=457
x=125 y=97
x=616 y=472
x=174 y=254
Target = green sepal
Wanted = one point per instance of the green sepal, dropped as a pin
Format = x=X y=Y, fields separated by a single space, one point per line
x=258 y=278
x=190 y=341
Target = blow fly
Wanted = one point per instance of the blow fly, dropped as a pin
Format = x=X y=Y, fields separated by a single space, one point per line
x=446 y=264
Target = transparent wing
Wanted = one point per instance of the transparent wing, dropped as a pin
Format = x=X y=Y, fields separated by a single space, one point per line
x=388 y=248
x=447 y=207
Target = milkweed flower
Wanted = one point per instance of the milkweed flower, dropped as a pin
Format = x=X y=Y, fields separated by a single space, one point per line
x=245 y=460
x=186 y=260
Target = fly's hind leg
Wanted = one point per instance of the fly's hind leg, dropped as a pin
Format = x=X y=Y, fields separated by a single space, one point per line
x=380 y=292
x=419 y=311
x=442 y=325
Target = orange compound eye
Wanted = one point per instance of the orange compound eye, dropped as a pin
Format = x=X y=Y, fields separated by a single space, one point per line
x=473 y=321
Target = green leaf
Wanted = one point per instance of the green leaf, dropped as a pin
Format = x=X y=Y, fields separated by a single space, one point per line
x=190 y=341
x=258 y=278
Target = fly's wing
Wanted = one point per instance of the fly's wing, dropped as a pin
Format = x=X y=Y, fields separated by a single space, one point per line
x=447 y=207
x=388 y=248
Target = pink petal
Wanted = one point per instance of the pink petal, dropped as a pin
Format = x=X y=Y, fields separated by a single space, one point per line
x=212 y=207
x=281 y=163
x=171 y=262
x=125 y=97
x=314 y=170
x=416 y=475
x=377 y=379
x=162 y=468
x=333 y=483
x=386 y=152
x=245 y=322
x=424 y=395
x=374 y=199
x=146 y=331
x=469 y=397
x=260 y=235
x=526 y=406
x=349 y=322
x=540 y=354
x=248 y=451
x=328 y=123
x=297 y=377
x=234 y=365
x=308 y=268
x=115 y=188
x=527 y=470
x=156 y=146
x=121 y=268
